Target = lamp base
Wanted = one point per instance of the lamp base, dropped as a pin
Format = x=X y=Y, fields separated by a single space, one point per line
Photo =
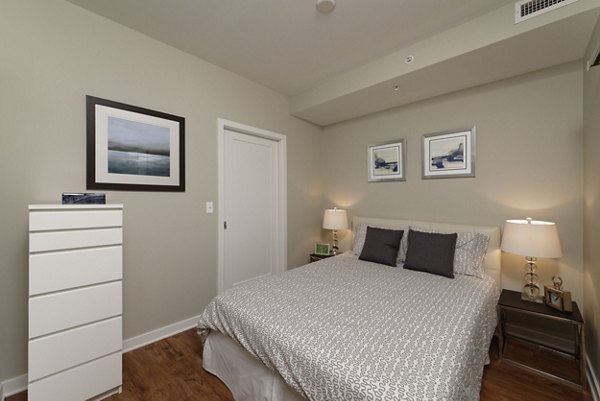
x=536 y=299
x=531 y=290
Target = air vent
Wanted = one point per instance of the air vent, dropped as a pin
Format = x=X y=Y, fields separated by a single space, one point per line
x=532 y=8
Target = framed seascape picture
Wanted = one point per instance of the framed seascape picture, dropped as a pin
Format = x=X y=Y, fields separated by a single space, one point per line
x=449 y=154
x=134 y=149
x=387 y=161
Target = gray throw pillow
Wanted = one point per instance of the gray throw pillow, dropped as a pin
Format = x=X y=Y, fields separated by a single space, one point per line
x=431 y=252
x=381 y=246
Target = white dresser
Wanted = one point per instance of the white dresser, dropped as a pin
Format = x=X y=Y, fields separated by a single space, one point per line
x=75 y=302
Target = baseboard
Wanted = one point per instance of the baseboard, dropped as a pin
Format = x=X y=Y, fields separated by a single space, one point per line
x=158 y=334
x=592 y=381
x=19 y=384
x=13 y=386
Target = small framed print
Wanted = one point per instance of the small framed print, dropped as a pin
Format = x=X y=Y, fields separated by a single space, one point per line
x=449 y=154
x=558 y=299
x=387 y=161
x=321 y=249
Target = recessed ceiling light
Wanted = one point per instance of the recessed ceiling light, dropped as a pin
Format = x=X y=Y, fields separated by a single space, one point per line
x=325 y=6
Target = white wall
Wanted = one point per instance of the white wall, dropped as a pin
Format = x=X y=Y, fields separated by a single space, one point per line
x=528 y=163
x=591 y=254
x=53 y=54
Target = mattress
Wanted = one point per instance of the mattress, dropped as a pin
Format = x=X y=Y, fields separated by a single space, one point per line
x=347 y=329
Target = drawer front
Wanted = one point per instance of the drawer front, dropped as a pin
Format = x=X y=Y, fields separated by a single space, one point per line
x=60 y=240
x=80 y=383
x=73 y=219
x=57 y=271
x=64 y=310
x=64 y=350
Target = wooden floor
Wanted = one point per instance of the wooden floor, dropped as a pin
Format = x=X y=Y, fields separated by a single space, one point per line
x=170 y=370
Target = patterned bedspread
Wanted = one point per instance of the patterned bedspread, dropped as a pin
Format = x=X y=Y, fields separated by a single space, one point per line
x=346 y=329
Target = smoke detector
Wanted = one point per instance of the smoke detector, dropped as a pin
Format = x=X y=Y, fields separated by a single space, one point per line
x=325 y=6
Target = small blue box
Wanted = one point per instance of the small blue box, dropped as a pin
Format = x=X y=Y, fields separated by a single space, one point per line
x=83 y=198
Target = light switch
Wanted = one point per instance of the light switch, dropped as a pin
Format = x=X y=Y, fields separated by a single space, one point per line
x=209 y=207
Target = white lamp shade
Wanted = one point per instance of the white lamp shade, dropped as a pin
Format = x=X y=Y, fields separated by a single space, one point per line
x=335 y=219
x=537 y=239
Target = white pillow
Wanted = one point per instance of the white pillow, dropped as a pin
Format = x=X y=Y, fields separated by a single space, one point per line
x=471 y=248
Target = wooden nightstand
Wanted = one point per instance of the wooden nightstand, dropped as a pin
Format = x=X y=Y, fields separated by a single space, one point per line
x=315 y=257
x=557 y=336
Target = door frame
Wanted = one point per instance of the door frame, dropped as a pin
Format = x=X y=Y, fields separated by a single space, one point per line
x=281 y=225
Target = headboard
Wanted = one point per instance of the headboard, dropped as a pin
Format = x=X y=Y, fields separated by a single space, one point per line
x=492 y=258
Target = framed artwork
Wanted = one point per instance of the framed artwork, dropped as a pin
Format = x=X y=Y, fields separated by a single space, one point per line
x=449 y=154
x=133 y=149
x=557 y=298
x=387 y=161
x=321 y=249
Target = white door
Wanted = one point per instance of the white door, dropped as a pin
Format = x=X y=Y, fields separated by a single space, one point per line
x=250 y=206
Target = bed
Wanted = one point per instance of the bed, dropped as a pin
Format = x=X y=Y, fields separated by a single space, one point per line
x=350 y=329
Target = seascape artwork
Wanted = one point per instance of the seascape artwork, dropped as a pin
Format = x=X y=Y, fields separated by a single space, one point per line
x=447 y=153
x=138 y=148
x=385 y=161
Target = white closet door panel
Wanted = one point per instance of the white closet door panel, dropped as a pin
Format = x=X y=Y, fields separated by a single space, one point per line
x=57 y=352
x=60 y=311
x=58 y=240
x=76 y=268
x=73 y=219
x=79 y=383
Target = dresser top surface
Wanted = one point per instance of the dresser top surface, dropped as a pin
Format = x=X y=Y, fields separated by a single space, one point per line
x=74 y=207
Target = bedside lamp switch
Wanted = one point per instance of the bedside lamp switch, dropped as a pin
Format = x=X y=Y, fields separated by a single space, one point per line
x=209 y=207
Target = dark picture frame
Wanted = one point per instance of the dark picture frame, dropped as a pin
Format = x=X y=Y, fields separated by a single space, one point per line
x=387 y=161
x=449 y=154
x=131 y=148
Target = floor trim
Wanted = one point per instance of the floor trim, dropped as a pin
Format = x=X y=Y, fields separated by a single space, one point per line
x=19 y=384
x=152 y=336
x=14 y=386
x=592 y=381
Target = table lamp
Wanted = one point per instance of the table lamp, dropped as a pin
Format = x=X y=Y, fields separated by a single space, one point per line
x=335 y=219
x=532 y=239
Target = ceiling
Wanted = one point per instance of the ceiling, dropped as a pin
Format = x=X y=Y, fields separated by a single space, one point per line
x=288 y=46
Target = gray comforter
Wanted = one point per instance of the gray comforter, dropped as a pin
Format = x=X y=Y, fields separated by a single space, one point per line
x=345 y=329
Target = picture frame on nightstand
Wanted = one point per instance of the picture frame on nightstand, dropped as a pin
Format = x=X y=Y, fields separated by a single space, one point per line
x=558 y=299
x=322 y=249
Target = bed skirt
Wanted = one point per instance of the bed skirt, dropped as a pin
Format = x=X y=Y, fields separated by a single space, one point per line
x=246 y=377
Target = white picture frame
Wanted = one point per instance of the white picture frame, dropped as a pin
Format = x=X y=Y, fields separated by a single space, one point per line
x=387 y=161
x=449 y=154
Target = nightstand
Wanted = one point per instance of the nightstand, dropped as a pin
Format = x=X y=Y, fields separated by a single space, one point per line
x=315 y=257
x=557 y=336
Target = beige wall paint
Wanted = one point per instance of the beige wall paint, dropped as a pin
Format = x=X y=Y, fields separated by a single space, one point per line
x=529 y=149
x=53 y=54
x=591 y=225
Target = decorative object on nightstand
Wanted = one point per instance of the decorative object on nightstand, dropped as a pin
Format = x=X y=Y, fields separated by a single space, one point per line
x=335 y=219
x=532 y=239
x=557 y=298
x=322 y=249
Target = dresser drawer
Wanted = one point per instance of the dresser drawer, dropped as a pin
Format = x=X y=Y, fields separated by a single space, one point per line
x=57 y=271
x=60 y=240
x=73 y=219
x=79 y=383
x=66 y=349
x=64 y=310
